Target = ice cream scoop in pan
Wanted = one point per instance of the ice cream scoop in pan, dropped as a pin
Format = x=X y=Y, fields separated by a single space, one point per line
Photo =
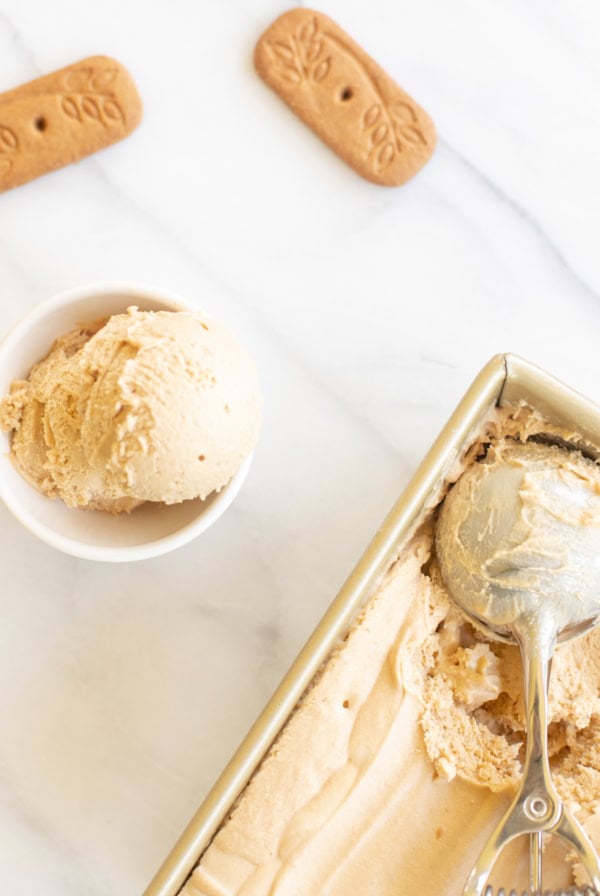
x=518 y=542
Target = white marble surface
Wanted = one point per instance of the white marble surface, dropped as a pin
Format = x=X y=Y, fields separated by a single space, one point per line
x=124 y=689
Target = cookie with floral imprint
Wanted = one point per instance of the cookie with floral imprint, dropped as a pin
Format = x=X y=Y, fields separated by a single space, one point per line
x=345 y=97
x=63 y=117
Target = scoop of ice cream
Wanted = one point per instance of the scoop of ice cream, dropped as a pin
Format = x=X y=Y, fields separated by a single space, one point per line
x=520 y=532
x=150 y=406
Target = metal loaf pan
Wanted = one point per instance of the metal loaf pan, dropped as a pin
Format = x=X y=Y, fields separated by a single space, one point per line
x=505 y=380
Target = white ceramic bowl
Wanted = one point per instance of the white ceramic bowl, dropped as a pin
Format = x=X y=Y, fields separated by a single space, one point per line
x=152 y=529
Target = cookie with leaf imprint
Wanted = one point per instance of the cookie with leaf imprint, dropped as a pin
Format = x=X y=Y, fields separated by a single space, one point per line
x=63 y=117
x=347 y=99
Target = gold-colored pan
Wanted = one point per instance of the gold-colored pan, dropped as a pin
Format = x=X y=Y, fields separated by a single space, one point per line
x=505 y=380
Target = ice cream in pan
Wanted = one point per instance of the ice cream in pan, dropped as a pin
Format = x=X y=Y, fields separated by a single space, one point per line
x=144 y=406
x=407 y=749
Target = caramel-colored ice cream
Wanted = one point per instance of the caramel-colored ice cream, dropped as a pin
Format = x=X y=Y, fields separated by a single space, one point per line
x=394 y=768
x=147 y=406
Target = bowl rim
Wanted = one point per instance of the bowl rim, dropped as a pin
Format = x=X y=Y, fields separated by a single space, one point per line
x=84 y=550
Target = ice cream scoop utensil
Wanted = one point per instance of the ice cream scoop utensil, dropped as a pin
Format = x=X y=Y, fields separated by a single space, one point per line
x=513 y=536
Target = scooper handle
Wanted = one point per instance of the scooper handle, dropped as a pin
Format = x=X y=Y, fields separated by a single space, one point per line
x=537 y=807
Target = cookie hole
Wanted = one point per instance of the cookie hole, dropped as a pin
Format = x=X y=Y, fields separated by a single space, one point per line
x=346 y=704
x=346 y=94
x=40 y=124
x=202 y=457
